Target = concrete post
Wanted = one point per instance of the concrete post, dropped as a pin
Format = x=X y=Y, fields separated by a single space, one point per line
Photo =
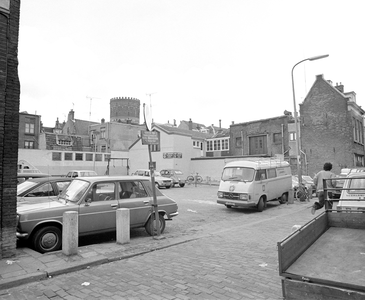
x=123 y=226
x=70 y=233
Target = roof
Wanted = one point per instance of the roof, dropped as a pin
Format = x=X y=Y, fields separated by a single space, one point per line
x=258 y=164
x=175 y=130
x=93 y=179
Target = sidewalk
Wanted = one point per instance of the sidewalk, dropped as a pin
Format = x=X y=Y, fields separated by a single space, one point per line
x=28 y=265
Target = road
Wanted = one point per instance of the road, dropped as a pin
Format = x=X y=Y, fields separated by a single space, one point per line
x=234 y=256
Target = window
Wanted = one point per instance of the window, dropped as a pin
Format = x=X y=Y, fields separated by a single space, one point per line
x=103 y=148
x=102 y=133
x=292 y=136
x=193 y=143
x=79 y=156
x=29 y=145
x=104 y=191
x=29 y=125
x=98 y=157
x=277 y=138
x=225 y=144
x=132 y=189
x=42 y=191
x=106 y=157
x=68 y=156
x=89 y=157
x=64 y=142
x=271 y=173
x=56 y=156
x=209 y=145
x=260 y=175
x=238 y=142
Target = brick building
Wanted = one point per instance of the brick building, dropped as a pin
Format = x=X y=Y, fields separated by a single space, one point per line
x=9 y=123
x=332 y=127
x=29 y=130
x=261 y=137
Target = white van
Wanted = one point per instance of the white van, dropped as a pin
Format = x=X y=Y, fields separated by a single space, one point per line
x=254 y=183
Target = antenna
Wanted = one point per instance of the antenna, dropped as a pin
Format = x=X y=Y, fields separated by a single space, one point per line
x=91 y=98
x=150 y=94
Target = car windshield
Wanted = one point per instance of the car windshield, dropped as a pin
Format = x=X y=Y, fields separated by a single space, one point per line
x=238 y=174
x=22 y=187
x=75 y=190
x=357 y=183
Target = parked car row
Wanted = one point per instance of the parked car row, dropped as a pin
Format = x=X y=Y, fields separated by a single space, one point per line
x=165 y=178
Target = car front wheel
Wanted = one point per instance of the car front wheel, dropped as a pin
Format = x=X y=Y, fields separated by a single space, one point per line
x=151 y=227
x=47 y=239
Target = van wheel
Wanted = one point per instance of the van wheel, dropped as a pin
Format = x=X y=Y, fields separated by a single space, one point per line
x=284 y=198
x=229 y=206
x=182 y=184
x=261 y=205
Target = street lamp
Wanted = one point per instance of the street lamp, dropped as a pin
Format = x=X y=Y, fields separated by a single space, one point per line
x=299 y=168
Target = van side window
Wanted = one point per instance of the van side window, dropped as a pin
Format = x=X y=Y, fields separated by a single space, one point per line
x=271 y=173
x=260 y=175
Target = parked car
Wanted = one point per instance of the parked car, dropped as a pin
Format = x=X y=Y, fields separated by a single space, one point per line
x=23 y=176
x=176 y=175
x=340 y=182
x=353 y=193
x=96 y=200
x=160 y=181
x=81 y=173
x=41 y=188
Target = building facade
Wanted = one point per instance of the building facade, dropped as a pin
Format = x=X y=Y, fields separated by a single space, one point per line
x=261 y=137
x=29 y=130
x=9 y=123
x=332 y=127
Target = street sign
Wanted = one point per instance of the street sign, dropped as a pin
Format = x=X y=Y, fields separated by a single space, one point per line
x=150 y=138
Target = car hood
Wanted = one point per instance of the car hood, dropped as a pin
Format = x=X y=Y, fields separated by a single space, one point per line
x=163 y=178
x=37 y=205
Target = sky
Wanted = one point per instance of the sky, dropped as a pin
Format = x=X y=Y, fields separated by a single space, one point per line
x=204 y=60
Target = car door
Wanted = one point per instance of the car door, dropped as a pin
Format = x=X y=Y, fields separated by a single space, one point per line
x=97 y=213
x=133 y=195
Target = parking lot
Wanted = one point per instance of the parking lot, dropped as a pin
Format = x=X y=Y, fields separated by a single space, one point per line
x=228 y=254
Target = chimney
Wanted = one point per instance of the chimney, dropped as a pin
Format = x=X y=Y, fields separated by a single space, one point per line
x=339 y=87
x=190 y=124
x=220 y=124
x=71 y=115
x=175 y=122
x=232 y=122
x=102 y=121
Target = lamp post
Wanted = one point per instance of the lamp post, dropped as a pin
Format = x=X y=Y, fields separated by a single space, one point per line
x=299 y=168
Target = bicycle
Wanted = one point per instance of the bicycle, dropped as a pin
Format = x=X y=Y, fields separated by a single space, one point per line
x=194 y=179
x=302 y=193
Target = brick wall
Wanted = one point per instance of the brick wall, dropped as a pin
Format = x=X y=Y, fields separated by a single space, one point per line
x=326 y=129
x=266 y=127
x=9 y=127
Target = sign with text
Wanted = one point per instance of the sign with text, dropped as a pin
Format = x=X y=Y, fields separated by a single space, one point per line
x=150 y=138
x=172 y=155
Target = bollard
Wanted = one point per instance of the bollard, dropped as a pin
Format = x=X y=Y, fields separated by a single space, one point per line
x=291 y=196
x=123 y=226
x=70 y=232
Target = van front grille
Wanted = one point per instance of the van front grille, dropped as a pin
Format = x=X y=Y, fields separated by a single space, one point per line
x=233 y=196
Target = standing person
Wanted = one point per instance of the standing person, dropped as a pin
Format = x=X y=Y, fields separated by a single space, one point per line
x=318 y=181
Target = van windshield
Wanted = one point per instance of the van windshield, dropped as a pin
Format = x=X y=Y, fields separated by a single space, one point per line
x=238 y=174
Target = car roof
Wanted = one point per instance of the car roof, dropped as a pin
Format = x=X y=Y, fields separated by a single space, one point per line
x=81 y=171
x=357 y=174
x=49 y=178
x=112 y=178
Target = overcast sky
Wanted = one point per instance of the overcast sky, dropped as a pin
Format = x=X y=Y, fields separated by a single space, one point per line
x=207 y=60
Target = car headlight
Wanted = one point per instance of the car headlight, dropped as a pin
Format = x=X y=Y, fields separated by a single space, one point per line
x=244 y=197
x=220 y=194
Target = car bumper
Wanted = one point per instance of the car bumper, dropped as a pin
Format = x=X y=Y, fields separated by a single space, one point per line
x=169 y=216
x=22 y=236
x=236 y=203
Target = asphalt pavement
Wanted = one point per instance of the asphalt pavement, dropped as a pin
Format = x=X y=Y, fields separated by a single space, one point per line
x=30 y=266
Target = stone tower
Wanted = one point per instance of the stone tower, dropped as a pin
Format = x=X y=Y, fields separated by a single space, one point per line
x=125 y=110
